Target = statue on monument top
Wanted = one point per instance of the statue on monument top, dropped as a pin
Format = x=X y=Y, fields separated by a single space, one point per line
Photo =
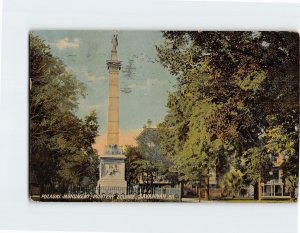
x=114 y=42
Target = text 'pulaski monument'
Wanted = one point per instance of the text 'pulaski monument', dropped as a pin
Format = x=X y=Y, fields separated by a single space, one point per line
x=112 y=162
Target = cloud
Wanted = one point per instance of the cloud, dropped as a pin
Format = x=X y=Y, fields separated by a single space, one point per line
x=66 y=43
x=91 y=78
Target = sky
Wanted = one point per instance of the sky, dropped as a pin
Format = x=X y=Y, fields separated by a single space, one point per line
x=144 y=83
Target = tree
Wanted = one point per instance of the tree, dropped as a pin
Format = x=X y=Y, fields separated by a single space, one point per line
x=258 y=166
x=193 y=150
x=232 y=183
x=147 y=172
x=291 y=183
x=80 y=167
x=132 y=155
x=60 y=143
x=145 y=163
x=149 y=147
x=140 y=170
x=246 y=77
x=280 y=141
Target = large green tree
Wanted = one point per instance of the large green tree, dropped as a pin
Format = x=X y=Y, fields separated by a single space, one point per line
x=60 y=143
x=246 y=78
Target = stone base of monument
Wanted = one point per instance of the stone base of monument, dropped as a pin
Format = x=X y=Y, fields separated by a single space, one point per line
x=112 y=174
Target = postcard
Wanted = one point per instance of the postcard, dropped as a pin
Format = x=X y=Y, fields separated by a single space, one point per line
x=163 y=116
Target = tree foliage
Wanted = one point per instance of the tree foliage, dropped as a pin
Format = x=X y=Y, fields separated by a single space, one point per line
x=146 y=164
x=132 y=156
x=60 y=143
x=140 y=169
x=237 y=97
x=291 y=185
x=232 y=183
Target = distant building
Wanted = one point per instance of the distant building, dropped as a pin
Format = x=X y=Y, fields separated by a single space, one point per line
x=275 y=186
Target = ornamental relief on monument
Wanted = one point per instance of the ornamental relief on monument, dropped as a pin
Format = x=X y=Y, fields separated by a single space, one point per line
x=109 y=170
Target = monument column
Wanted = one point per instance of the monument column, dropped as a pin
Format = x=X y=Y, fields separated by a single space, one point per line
x=113 y=66
x=112 y=162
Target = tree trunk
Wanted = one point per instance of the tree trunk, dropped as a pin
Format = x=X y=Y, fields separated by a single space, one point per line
x=255 y=194
x=293 y=194
x=207 y=188
x=181 y=187
x=199 y=190
x=259 y=189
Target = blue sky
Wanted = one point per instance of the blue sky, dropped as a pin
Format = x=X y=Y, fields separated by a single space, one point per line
x=85 y=54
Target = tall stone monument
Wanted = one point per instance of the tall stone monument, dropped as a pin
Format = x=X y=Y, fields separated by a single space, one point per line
x=112 y=162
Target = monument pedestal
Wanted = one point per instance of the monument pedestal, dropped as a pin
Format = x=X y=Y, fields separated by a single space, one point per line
x=112 y=174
